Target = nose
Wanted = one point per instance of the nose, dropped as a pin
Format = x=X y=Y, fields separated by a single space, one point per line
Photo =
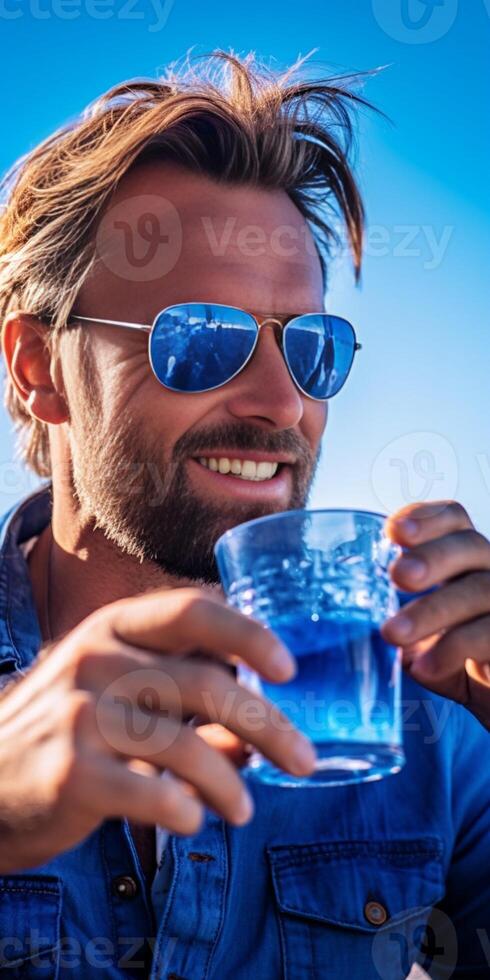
x=265 y=391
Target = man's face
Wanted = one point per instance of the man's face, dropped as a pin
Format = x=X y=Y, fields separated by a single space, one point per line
x=170 y=236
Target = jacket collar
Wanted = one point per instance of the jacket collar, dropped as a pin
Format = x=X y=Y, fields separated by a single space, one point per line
x=20 y=635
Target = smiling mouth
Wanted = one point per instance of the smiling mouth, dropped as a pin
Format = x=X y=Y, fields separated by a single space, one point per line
x=243 y=469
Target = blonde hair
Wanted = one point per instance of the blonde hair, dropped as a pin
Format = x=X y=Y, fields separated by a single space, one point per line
x=232 y=119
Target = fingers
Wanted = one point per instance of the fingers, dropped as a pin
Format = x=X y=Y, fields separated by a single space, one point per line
x=233 y=747
x=148 y=799
x=448 y=656
x=417 y=523
x=181 y=620
x=441 y=559
x=213 y=775
x=478 y=684
x=479 y=672
x=167 y=744
x=457 y=602
x=185 y=687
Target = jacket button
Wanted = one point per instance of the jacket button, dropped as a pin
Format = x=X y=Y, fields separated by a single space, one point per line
x=375 y=913
x=125 y=887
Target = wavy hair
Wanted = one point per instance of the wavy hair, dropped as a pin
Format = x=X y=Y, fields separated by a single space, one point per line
x=230 y=118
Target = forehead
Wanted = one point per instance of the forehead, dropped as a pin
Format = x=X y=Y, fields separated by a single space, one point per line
x=169 y=235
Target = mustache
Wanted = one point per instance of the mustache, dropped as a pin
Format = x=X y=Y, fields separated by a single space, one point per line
x=242 y=437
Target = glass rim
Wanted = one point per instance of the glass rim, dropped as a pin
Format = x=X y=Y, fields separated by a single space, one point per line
x=299 y=510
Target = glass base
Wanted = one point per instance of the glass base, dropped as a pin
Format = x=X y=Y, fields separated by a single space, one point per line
x=338 y=764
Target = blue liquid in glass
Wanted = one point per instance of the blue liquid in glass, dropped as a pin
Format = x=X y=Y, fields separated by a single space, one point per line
x=344 y=697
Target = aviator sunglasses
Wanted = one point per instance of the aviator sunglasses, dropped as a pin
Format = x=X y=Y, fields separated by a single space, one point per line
x=197 y=347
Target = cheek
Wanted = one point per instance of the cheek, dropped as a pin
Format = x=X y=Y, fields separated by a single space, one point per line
x=314 y=421
x=128 y=388
x=165 y=414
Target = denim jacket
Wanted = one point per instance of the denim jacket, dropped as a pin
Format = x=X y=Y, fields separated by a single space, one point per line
x=355 y=882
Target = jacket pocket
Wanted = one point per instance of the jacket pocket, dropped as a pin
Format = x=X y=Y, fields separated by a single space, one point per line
x=30 y=912
x=355 y=909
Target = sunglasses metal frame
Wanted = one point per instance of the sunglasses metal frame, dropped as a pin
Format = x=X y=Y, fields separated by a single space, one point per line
x=282 y=322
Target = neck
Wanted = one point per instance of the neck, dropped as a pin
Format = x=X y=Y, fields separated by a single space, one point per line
x=75 y=570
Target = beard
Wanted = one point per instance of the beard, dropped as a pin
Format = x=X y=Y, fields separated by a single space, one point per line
x=147 y=506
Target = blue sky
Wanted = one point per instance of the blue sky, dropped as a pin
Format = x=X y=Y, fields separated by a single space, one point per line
x=413 y=421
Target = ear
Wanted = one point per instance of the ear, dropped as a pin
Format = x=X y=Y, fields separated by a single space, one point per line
x=30 y=365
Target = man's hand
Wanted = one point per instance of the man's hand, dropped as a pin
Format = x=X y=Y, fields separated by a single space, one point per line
x=229 y=744
x=86 y=734
x=445 y=636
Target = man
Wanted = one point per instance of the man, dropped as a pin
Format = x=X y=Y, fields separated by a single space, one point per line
x=164 y=199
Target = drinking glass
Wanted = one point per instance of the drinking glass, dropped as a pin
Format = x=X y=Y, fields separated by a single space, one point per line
x=319 y=579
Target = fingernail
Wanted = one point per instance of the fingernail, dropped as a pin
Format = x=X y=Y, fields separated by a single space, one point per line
x=283 y=662
x=245 y=809
x=304 y=755
x=415 y=568
x=409 y=526
x=401 y=625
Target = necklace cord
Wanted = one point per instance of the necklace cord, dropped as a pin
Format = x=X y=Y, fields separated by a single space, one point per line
x=47 y=590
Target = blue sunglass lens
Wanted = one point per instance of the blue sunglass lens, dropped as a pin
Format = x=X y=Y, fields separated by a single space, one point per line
x=197 y=346
x=319 y=351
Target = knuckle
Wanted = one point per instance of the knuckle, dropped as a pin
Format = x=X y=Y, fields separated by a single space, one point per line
x=87 y=663
x=457 y=510
x=80 y=714
x=196 y=604
x=455 y=644
x=97 y=623
x=433 y=552
x=97 y=665
x=193 y=593
x=191 y=607
x=482 y=580
x=479 y=540
x=207 y=676
x=479 y=583
x=437 y=605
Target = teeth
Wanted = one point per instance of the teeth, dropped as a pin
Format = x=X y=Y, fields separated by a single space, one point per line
x=264 y=471
x=249 y=469
x=245 y=469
